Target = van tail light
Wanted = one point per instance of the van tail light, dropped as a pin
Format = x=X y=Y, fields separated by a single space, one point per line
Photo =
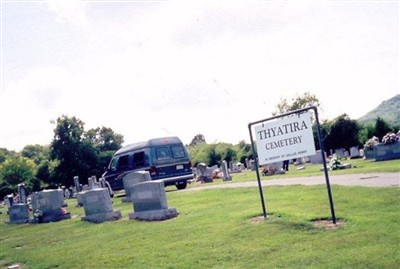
x=153 y=170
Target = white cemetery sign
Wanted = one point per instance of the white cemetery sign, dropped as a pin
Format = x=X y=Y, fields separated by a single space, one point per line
x=283 y=139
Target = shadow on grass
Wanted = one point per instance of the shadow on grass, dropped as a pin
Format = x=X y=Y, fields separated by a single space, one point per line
x=306 y=225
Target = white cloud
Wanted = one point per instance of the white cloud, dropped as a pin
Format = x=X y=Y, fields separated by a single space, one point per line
x=71 y=11
x=149 y=69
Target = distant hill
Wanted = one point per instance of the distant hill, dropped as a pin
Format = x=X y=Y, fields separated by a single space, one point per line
x=388 y=110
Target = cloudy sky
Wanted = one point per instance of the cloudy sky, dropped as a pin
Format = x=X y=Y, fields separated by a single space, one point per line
x=156 y=68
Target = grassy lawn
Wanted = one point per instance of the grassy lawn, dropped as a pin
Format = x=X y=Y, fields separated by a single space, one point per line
x=221 y=228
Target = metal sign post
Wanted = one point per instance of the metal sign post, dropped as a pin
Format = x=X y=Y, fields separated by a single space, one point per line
x=292 y=135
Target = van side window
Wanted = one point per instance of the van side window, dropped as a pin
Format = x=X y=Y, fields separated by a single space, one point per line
x=162 y=153
x=139 y=159
x=177 y=152
x=123 y=162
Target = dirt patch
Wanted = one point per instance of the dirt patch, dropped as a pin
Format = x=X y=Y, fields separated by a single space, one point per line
x=257 y=220
x=328 y=224
x=260 y=219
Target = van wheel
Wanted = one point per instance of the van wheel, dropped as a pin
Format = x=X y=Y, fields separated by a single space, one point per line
x=181 y=185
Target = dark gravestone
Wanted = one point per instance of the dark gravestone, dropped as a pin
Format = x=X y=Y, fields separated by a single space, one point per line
x=150 y=202
x=22 y=193
x=77 y=184
x=19 y=213
x=386 y=152
x=98 y=206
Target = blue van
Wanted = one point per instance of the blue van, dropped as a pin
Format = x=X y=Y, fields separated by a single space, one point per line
x=165 y=158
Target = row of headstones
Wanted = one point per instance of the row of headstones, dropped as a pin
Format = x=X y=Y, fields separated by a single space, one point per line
x=47 y=206
x=353 y=153
x=148 y=197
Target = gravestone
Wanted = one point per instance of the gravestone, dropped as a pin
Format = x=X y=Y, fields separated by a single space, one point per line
x=194 y=171
x=204 y=173
x=102 y=182
x=98 y=206
x=9 y=199
x=22 y=193
x=354 y=152
x=236 y=167
x=131 y=179
x=339 y=152
x=386 y=152
x=225 y=171
x=47 y=206
x=19 y=213
x=316 y=158
x=93 y=183
x=77 y=184
x=150 y=202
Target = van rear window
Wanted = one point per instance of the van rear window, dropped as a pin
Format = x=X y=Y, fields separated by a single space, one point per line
x=177 y=152
x=162 y=153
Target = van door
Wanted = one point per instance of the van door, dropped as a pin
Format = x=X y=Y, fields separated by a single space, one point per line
x=171 y=161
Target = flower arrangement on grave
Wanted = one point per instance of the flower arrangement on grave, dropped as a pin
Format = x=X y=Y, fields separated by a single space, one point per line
x=369 y=145
x=391 y=138
x=268 y=170
x=335 y=162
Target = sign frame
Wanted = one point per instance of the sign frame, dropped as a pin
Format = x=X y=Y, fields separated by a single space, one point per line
x=321 y=145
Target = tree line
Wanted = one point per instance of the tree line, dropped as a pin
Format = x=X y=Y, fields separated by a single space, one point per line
x=75 y=151
x=72 y=152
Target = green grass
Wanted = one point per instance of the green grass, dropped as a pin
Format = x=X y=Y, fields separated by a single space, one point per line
x=216 y=229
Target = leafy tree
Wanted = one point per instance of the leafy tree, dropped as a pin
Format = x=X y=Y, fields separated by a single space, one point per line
x=366 y=132
x=76 y=156
x=14 y=171
x=104 y=139
x=213 y=157
x=37 y=153
x=197 y=140
x=324 y=128
x=244 y=151
x=78 y=153
x=343 y=133
x=227 y=153
x=298 y=102
x=46 y=173
x=381 y=128
x=5 y=154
